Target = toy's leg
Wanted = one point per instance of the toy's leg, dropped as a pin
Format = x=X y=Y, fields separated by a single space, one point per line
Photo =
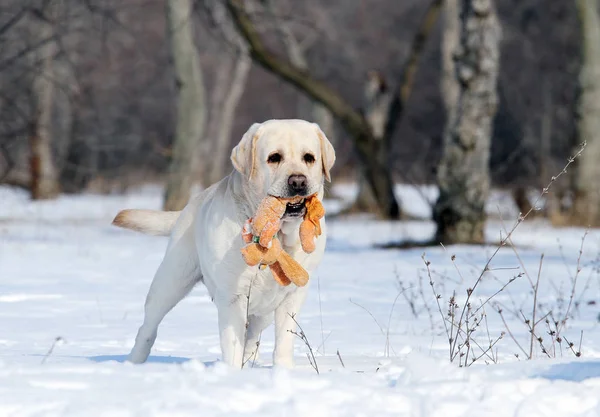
x=283 y=354
x=278 y=275
x=256 y=324
x=307 y=236
x=232 y=328
x=291 y=269
x=175 y=277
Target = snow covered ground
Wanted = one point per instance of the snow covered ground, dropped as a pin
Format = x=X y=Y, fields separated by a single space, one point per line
x=72 y=290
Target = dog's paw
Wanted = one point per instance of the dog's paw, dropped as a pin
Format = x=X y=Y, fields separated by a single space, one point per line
x=252 y=360
x=284 y=362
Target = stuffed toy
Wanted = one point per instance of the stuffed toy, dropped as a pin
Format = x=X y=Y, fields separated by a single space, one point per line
x=264 y=249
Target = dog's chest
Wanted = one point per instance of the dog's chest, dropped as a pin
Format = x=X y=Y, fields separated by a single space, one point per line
x=265 y=294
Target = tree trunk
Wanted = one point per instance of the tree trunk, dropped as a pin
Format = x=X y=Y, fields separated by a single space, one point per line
x=191 y=110
x=63 y=112
x=44 y=175
x=450 y=40
x=545 y=158
x=365 y=201
x=325 y=120
x=521 y=200
x=216 y=101
x=586 y=206
x=463 y=172
x=223 y=139
x=377 y=101
x=377 y=176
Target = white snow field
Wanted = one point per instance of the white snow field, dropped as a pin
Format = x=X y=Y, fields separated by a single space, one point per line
x=72 y=289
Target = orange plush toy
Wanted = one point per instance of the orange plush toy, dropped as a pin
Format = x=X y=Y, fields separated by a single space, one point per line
x=264 y=249
x=310 y=228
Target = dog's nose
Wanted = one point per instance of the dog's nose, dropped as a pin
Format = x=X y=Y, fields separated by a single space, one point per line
x=298 y=183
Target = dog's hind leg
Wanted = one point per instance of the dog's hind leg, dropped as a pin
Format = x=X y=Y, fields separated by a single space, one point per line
x=175 y=277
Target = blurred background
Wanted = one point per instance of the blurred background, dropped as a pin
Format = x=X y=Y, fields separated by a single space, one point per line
x=104 y=95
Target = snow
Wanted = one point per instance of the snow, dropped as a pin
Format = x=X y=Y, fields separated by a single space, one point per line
x=72 y=290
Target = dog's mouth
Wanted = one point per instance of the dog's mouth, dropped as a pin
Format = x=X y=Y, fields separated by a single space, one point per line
x=295 y=208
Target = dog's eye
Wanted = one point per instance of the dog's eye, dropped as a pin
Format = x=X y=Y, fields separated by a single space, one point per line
x=309 y=158
x=274 y=158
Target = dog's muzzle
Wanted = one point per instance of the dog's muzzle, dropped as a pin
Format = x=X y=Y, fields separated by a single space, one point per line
x=295 y=209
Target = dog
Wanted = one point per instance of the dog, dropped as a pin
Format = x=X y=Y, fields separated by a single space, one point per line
x=281 y=158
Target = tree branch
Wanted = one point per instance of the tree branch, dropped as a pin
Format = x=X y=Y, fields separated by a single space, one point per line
x=13 y=20
x=407 y=78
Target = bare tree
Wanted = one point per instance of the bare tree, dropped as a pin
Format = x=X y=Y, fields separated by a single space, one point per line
x=44 y=175
x=586 y=206
x=119 y=86
x=375 y=171
x=463 y=174
x=191 y=109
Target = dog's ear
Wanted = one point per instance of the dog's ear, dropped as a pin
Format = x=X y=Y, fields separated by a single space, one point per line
x=243 y=155
x=327 y=153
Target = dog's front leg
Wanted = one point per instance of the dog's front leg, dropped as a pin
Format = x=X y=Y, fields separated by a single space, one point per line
x=232 y=327
x=256 y=324
x=285 y=316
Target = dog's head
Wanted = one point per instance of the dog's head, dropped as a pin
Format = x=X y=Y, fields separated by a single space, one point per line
x=285 y=158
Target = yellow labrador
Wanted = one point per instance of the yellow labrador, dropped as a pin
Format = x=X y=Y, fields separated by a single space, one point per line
x=282 y=158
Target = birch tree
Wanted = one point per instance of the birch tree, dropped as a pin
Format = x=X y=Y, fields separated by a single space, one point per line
x=450 y=40
x=586 y=207
x=234 y=82
x=191 y=109
x=44 y=175
x=463 y=173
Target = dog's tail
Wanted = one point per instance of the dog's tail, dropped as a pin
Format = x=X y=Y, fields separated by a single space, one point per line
x=150 y=222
